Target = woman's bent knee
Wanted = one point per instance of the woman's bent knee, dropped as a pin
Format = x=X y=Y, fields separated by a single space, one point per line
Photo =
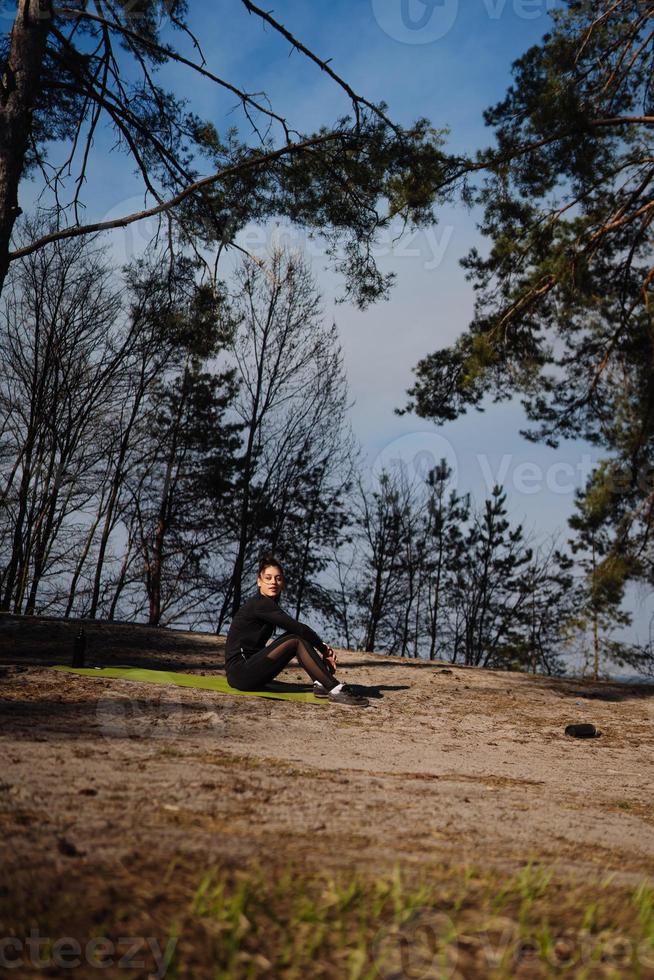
x=288 y=641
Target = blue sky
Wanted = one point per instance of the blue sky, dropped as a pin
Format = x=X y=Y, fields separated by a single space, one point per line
x=447 y=60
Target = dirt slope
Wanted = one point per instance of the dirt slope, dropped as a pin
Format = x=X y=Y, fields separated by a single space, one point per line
x=448 y=764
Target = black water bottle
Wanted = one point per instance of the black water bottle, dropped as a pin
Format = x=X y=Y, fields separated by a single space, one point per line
x=79 y=648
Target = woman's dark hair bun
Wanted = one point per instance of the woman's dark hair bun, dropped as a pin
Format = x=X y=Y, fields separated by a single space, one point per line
x=266 y=561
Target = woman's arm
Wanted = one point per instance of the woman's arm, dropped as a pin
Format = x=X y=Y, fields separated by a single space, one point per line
x=270 y=612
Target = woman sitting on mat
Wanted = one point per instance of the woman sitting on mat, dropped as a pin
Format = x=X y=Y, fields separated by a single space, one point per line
x=250 y=664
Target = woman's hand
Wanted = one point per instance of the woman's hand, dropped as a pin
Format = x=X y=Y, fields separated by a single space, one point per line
x=330 y=660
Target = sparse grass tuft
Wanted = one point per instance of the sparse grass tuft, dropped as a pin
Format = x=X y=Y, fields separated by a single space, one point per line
x=293 y=925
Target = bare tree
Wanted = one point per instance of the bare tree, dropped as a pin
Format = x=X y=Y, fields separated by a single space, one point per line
x=296 y=454
x=154 y=301
x=58 y=373
x=340 y=609
x=84 y=391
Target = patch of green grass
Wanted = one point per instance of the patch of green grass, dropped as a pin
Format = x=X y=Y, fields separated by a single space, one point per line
x=288 y=923
x=643 y=901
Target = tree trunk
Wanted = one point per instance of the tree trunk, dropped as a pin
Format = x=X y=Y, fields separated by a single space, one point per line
x=303 y=570
x=17 y=542
x=122 y=578
x=81 y=561
x=19 y=86
x=109 y=522
x=173 y=463
x=248 y=474
x=375 y=613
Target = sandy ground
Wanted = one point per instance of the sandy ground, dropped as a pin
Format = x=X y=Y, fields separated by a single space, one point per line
x=447 y=764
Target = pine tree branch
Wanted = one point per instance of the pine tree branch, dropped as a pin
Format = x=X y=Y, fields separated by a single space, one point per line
x=357 y=100
x=172 y=202
x=169 y=53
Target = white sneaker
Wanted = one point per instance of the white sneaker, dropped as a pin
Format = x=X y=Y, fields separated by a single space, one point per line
x=319 y=690
x=347 y=696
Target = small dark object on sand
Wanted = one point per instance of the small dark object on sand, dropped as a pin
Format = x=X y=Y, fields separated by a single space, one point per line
x=581 y=731
x=64 y=846
x=79 y=648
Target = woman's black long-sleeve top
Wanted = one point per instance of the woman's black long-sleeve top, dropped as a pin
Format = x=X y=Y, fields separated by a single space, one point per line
x=254 y=624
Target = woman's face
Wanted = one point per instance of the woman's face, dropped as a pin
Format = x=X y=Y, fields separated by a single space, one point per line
x=271 y=581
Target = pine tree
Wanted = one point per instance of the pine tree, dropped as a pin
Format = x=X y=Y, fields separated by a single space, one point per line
x=445 y=519
x=601 y=591
x=487 y=593
x=563 y=317
x=383 y=520
x=70 y=73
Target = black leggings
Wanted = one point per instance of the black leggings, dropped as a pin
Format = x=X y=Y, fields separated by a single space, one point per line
x=252 y=673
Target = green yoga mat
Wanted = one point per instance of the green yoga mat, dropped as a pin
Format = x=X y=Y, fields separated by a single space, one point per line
x=219 y=684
